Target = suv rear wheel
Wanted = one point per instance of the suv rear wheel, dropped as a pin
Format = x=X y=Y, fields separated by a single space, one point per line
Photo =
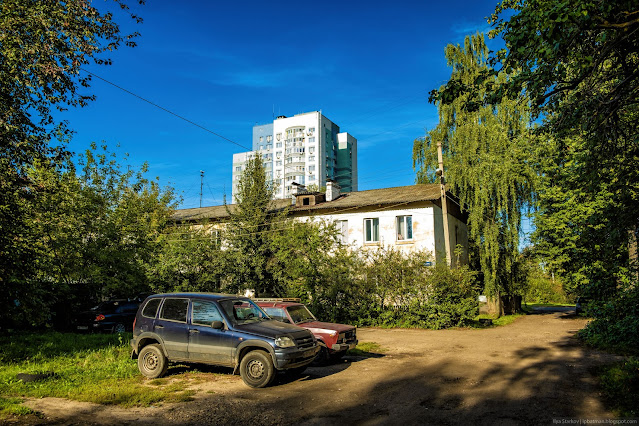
x=256 y=369
x=151 y=362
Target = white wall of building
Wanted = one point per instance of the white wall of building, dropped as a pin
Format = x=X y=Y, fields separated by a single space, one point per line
x=423 y=229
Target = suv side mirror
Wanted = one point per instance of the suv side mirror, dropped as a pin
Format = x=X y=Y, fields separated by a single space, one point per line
x=219 y=325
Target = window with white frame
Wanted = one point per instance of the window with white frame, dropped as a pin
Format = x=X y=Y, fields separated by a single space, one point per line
x=342 y=228
x=278 y=144
x=404 y=228
x=371 y=230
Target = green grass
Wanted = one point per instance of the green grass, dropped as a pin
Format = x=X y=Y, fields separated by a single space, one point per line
x=620 y=384
x=91 y=368
x=367 y=349
x=545 y=305
x=497 y=322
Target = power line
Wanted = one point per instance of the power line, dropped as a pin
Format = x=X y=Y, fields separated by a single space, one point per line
x=165 y=109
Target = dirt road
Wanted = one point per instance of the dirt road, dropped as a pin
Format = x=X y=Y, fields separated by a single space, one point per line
x=528 y=373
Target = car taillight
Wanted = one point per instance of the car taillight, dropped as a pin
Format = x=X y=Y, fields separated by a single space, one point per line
x=99 y=317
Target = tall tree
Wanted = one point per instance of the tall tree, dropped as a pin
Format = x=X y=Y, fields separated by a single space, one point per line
x=579 y=63
x=249 y=230
x=43 y=45
x=91 y=231
x=486 y=153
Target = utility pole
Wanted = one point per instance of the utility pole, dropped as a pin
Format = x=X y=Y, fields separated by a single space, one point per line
x=440 y=173
x=201 y=185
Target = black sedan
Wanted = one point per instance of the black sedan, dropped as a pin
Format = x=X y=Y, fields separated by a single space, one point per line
x=112 y=316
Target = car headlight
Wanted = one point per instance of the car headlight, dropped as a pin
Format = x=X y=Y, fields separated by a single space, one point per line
x=284 y=342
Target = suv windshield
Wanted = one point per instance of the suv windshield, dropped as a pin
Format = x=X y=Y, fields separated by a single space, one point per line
x=243 y=311
x=300 y=314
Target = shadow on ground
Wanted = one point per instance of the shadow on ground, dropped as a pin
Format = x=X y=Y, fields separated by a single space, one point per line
x=536 y=385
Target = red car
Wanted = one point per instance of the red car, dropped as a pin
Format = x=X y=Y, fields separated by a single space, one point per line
x=334 y=339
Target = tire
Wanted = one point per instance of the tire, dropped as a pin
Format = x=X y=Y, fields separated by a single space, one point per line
x=256 y=369
x=323 y=356
x=119 y=328
x=151 y=362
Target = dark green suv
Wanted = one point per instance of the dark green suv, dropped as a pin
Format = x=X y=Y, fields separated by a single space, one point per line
x=217 y=329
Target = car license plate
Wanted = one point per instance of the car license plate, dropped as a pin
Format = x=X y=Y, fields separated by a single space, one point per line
x=83 y=327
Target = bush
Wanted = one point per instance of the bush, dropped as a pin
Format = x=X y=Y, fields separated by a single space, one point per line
x=616 y=323
x=388 y=289
x=620 y=383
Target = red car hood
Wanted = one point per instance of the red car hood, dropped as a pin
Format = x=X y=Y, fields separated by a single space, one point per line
x=318 y=326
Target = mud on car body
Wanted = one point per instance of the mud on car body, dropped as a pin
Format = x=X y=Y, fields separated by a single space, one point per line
x=217 y=329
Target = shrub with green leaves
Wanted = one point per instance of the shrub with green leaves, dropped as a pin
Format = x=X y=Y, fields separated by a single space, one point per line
x=389 y=289
x=616 y=322
x=620 y=383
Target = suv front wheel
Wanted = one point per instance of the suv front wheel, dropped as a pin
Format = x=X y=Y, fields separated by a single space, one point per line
x=256 y=369
x=151 y=362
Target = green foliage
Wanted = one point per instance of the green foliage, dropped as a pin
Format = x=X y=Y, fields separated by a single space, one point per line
x=302 y=252
x=44 y=47
x=248 y=232
x=578 y=63
x=90 y=233
x=538 y=286
x=389 y=289
x=91 y=368
x=620 y=383
x=616 y=322
x=367 y=349
x=189 y=259
x=486 y=161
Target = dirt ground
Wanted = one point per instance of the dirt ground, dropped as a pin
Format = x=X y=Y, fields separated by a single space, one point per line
x=529 y=372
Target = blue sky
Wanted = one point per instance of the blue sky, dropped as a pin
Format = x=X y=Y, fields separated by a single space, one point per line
x=227 y=66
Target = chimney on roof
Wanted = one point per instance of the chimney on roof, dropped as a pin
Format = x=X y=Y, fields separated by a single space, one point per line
x=298 y=188
x=332 y=190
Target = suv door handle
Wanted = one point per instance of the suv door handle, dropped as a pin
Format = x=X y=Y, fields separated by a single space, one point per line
x=159 y=326
x=194 y=331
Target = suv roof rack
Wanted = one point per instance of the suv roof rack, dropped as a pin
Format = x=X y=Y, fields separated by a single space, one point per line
x=277 y=299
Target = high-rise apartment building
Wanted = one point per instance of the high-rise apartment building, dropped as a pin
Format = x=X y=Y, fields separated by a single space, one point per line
x=307 y=149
